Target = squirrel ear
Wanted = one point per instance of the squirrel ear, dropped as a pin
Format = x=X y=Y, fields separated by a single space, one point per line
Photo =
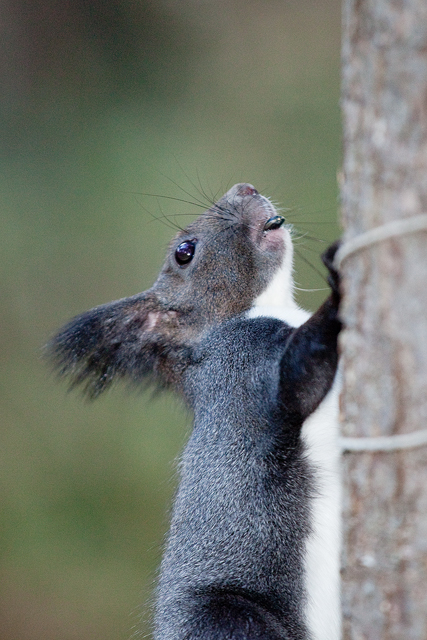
x=129 y=338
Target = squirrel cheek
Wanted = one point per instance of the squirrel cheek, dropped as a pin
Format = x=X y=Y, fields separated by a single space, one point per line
x=274 y=240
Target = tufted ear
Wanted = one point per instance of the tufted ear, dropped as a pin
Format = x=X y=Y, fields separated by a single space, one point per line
x=129 y=339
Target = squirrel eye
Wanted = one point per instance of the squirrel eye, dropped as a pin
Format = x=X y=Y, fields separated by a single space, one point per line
x=185 y=252
x=274 y=223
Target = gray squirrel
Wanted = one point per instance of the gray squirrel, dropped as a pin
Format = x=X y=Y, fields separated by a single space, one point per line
x=253 y=547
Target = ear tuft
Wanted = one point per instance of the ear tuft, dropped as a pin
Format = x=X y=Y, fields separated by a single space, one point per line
x=124 y=339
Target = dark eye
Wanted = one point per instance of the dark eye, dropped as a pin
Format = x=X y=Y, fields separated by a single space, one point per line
x=185 y=252
x=274 y=223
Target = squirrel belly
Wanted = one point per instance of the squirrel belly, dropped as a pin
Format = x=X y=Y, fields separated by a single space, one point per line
x=322 y=554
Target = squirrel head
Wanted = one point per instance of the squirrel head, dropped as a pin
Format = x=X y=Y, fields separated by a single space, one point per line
x=215 y=269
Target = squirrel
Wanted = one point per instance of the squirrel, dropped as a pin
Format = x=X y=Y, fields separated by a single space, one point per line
x=254 y=541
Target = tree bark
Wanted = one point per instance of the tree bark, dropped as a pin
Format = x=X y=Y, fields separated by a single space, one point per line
x=385 y=312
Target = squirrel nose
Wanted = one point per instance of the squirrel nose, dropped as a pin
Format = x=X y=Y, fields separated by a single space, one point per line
x=246 y=190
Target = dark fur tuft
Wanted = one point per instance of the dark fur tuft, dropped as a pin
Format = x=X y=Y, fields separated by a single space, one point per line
x=110 y=342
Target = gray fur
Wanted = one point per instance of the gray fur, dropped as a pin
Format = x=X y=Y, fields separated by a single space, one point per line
x=234 y=560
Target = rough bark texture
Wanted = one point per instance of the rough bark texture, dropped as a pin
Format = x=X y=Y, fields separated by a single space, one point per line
x=385 y=310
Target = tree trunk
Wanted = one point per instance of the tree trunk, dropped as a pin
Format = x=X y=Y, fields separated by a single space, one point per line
x=385 y=312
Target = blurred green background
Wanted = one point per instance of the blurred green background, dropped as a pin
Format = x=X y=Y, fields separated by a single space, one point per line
x=100 y=100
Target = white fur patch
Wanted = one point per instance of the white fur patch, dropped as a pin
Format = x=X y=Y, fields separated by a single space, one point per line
x=280 y=291
x=293 y=316
x=320 y=432
x=323 y=551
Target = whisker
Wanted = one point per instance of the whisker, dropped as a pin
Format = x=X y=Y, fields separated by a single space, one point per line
x=304 y=235
x=187 y=193
x=300 y=211
x=304 y=259
x=213 y=198
x=315 y=222
x=177 y=226
x=162 y=219
x=157 y=195
x=306 y=248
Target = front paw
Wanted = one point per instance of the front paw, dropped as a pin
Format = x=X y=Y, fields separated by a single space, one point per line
x=328 y=258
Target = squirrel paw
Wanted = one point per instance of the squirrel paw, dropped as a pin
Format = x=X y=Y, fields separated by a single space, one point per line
x=328 y=260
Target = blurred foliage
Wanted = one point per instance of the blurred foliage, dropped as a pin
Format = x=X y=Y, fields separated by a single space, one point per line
x=102 y=101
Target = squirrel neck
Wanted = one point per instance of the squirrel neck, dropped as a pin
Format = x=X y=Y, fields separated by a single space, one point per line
x=277 y=300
